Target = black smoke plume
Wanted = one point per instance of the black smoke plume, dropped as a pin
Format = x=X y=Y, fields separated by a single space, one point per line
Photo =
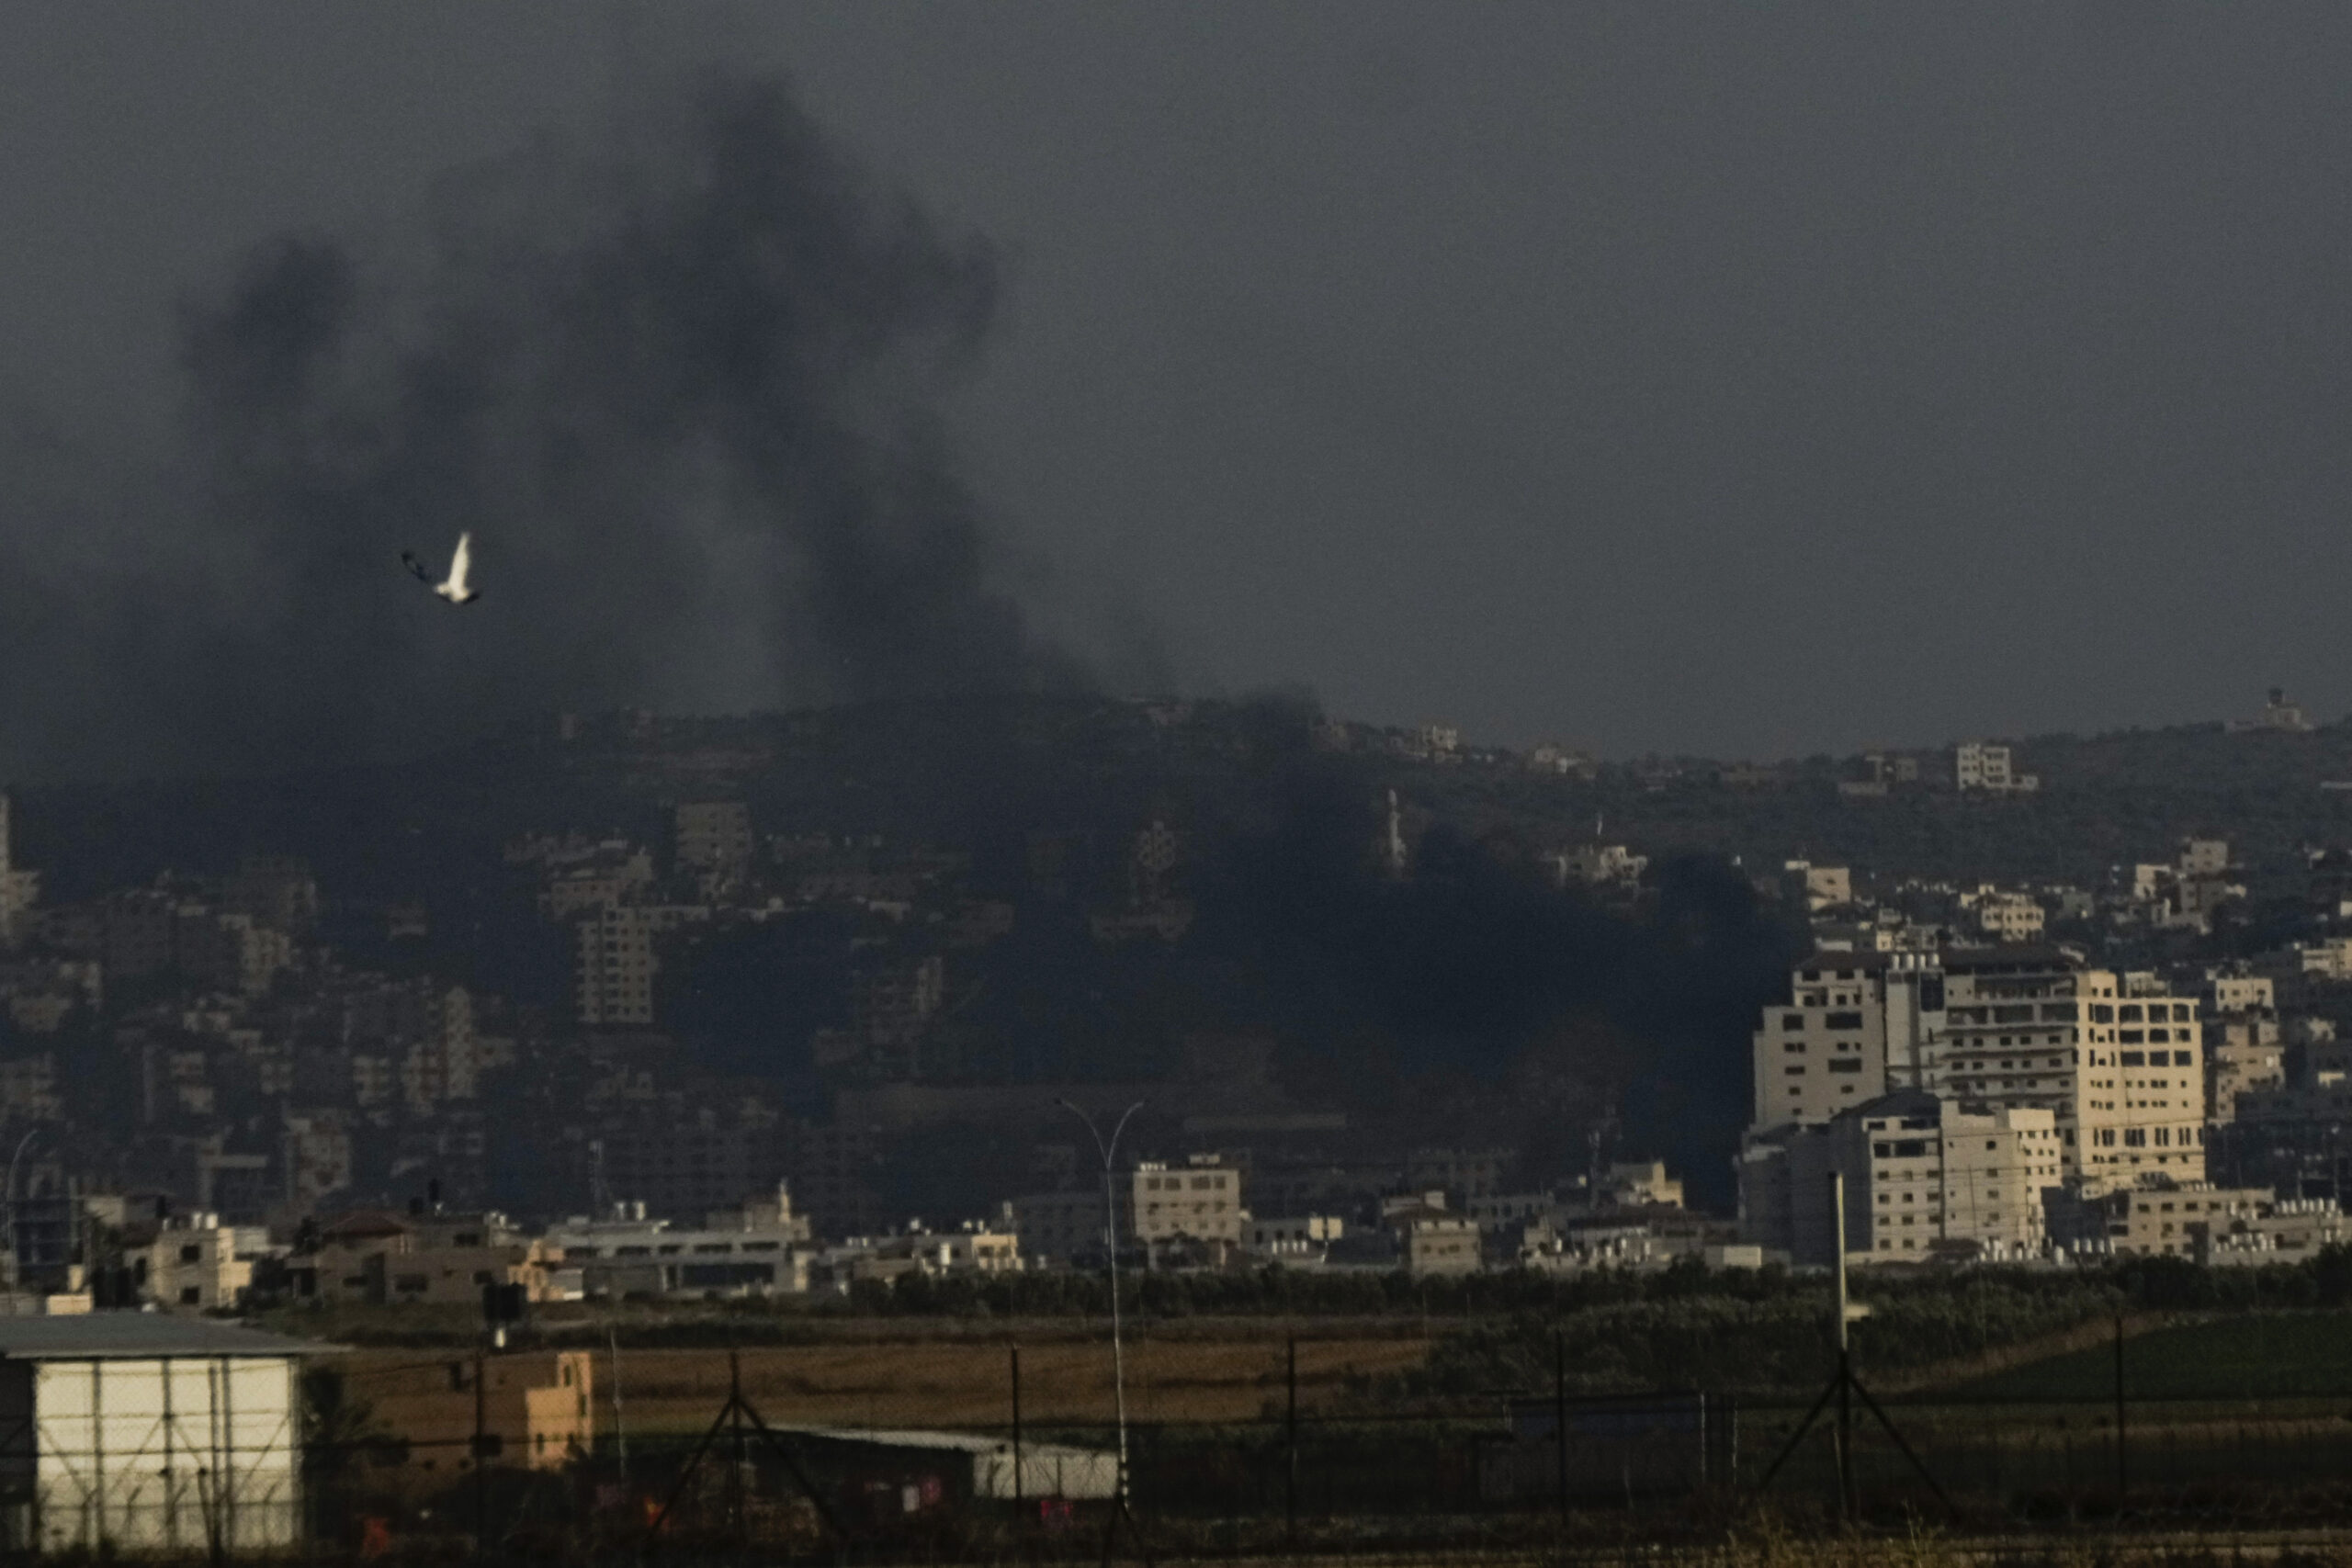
x=681 y=382
x=1478 y=965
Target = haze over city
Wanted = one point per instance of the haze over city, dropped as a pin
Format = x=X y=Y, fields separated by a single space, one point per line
x=1709 y=380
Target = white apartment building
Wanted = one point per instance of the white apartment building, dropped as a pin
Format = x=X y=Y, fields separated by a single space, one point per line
x=1198 y=1201
x=2228 y=993
x=2120 y=1070
x=1851 y=1027
x=1925 y=1178
x=1983 y=765
x=2003 y=915
x=198 y=1264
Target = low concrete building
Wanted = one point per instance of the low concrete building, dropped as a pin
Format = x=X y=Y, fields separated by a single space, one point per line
x=2245 y=1225
x=538 y=1406
x=1440 y=1244
x=196 y=1264
x=1059 y=1227
x=761 y=1249
x=379 y=1259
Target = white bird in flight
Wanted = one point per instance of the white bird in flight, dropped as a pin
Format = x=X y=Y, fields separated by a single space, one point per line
x=454 y=590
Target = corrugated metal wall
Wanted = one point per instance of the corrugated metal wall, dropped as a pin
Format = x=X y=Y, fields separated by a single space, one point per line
x=174 y=1455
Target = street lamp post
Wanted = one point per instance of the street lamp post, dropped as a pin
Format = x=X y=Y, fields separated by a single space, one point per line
x=1109 y=1151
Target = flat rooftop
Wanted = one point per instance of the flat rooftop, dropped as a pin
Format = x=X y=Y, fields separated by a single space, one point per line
x=140 y=1335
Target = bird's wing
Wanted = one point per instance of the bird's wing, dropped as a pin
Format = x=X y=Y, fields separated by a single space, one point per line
x=415 y=567
x=461 y=563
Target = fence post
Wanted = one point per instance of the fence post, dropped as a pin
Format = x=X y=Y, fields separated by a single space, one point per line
x=1560 y=1416
x=735 y=1476
x=2122 y=1474
x=481 y=1455
x=1290 y=1485
x=1018 y=1492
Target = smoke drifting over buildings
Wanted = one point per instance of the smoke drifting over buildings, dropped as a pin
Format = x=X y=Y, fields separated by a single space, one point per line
x=680 y=380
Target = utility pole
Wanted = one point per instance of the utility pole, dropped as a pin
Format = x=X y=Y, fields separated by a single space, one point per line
x=1290 y=1483
x=481 y=1451
x=1018 y=1492
x=620 y=1422
x=1845 y=1355
x=1560 y=1417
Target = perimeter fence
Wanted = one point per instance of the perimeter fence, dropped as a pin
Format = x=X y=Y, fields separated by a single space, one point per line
x=978 y=1451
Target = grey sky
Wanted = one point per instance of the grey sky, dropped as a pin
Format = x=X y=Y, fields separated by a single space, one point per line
x=1739 y=379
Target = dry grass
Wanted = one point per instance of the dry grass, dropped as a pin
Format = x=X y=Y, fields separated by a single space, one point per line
x=929 y=1383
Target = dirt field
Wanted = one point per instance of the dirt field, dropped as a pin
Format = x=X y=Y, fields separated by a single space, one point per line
x=958 y=1382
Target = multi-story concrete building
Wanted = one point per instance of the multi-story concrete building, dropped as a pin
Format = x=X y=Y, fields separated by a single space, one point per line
x=539 y=1405
x=2247 y=1225
x=2005 y=915
x=1440 y=1244
x=1199 y=1201
x=1596 y=865
x=614 y=968
x=604 y=874
x=1162 y=1206
x=198 y=1264
x=683 y=1159
x=1983 y=765
x=1060 y=1226
x=1926 y=1177
x=1854 y=1026
x=891 y=1006
x=2232 y=991
x=713 y=835
x=2121 y=1072
x=1817 y=887
x=380 y=1259
x=2243 y=1052
x=1461 y=1174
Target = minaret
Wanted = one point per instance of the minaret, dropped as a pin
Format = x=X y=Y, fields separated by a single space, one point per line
x=19 y=890
x=1394 y=846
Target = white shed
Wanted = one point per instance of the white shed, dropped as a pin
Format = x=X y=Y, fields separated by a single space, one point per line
x=138 y=1433
x=1044 y=1470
